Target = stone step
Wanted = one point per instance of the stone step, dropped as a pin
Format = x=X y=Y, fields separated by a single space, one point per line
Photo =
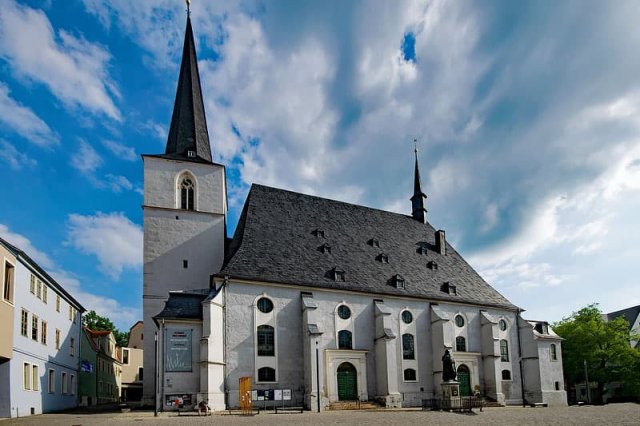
x=354 y=405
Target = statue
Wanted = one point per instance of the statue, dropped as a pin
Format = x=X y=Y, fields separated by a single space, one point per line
x=448 y=367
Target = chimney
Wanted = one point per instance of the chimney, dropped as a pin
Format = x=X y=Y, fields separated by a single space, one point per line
x=441 y=242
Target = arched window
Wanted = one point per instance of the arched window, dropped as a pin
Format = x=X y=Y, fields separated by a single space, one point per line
x=266 y=374
x=461 y=344
x=504 y=350
x=408 y=351
x=187 y=193
x=344 y=340
x=266 y=341
x=410 y=375
x=554 y=354
x=506 y=375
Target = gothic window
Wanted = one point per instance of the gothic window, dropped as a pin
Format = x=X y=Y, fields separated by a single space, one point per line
x=504 y=350
x=344 y=340
x=408 y=351
x=266 y=374
x=461 y=344
x=410 y=375
x=187 y=193
x=266 y=341
x=554 y=354
x=506 y=375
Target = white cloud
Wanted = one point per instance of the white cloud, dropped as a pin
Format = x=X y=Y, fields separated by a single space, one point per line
x=118 y=183
x=121 y=151
x=74 y=69
x=16 y=159
x=85 y=159
x=23 y=121
x=112 y=238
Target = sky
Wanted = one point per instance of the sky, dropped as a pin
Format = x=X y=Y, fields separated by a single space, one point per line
x=527 y=116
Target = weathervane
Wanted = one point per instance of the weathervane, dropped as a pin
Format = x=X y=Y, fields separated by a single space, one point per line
x=415 y=145
x=188 y=4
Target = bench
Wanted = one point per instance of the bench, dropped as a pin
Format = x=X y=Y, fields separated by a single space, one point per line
x=539 y=404
x=289 y=410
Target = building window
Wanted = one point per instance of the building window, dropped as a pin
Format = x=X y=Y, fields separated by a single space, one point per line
x=43 y=334
x=266 y=374
x=506 y=375
x=125 y=356
x=459 y=320
x=9 y=272
x=34 y=327
x=373 y=242
x=383 y=258
x=24 y=323
x=266 y=341
x=557 y=384
x=72 y=384
x=502 y=324
x=51 y=383
x=187 y=194
x=64 y=383
x=70 y=313
x=72 y=346
x=407 y=318
x=318 y=233
x=35 y=378
x=554 y=355
x=32 y=284
x=57 y=339
x=504 y=350
x=344 y=312
x=397 y=281
x=408 y=351
x=140 y=373
x=410 y=375
x=325 y=248
x=39 y=290
x=344 y=339
x=26 y=376
x=338 y=274
x=57 y=303
x=45 y=291
x=461 y=344
x=265 y=305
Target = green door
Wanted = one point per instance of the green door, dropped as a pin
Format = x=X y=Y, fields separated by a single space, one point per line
x=347 y=382
x=465 y=380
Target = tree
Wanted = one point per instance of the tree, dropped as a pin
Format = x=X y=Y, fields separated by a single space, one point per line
x=93 y=321
x=603 y=345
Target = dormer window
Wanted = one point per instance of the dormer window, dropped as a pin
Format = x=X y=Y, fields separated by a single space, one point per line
x=421 y=250
x=338 y=274
x=191 y=154
x=318 y=233
x=449 y=288
x=373 y=242
x=383 y=258
x=542 y=328
x=325 y=248
x=187 y=193
x=432 y=265
x=397 y=281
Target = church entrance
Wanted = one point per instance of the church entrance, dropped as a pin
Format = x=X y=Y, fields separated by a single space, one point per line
x=347 y=382
x=465 y=380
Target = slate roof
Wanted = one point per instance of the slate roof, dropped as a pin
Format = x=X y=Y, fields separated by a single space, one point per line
x=183 y=305
x=630 y=314
x=30 y=263
x=188 y=130
x=275 y=242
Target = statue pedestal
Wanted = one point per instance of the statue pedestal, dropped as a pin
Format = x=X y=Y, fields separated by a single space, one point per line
x=451 y=395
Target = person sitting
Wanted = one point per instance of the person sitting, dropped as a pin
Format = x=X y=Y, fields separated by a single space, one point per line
x=203 y=408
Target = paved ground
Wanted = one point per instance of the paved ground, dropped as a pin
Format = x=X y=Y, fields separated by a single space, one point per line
x=613 y=414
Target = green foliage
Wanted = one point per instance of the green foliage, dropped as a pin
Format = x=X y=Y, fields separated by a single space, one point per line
x=94 y=321
x=603 y=345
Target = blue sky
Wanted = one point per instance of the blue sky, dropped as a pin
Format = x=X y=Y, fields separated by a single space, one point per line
x=527 y=116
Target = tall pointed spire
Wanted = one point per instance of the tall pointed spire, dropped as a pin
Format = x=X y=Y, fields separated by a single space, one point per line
x=188 y=136
x=418 y=211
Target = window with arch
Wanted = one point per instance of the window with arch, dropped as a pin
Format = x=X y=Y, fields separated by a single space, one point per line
x=461 y=344
x=345 y=339
x=554 y=354
x=266 y=341
x=410 y=375
x=408 y=347
x=504 y=350
x=266 y=374
x=506 y=375
x=187 y=193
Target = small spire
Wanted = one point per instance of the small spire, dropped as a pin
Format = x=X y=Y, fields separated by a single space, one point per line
x=188 y=7
x=418 y=211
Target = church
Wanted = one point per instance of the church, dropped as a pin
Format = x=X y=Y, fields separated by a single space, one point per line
x=314 y=301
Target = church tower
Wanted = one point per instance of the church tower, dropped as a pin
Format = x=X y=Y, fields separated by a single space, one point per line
x=418 y=210
x=185 y=208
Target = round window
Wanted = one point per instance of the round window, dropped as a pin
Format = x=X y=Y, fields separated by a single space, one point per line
x=265 y=305
x=344 y=312
x=502 y=324
x=407 y=317
x=459 y=320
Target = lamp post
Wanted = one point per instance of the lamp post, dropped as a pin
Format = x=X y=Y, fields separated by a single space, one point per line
x=586 y=379
x=155 y=375
x=318 y=375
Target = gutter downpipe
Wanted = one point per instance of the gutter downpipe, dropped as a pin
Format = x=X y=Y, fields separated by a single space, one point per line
x=224 y=339
x=518 y=318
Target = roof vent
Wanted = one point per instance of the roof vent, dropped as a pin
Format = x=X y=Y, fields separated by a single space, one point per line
x=449 y=288
x=325 y=248
x=432 y=265
x=383 y=258
x=374 y=242
x=397 y=281
x=422 y=249
x=337 y=274
x=318 y=233
x=191 y=154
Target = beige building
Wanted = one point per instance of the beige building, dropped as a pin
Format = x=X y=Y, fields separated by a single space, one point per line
x=132 y=359
x=136 y=336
